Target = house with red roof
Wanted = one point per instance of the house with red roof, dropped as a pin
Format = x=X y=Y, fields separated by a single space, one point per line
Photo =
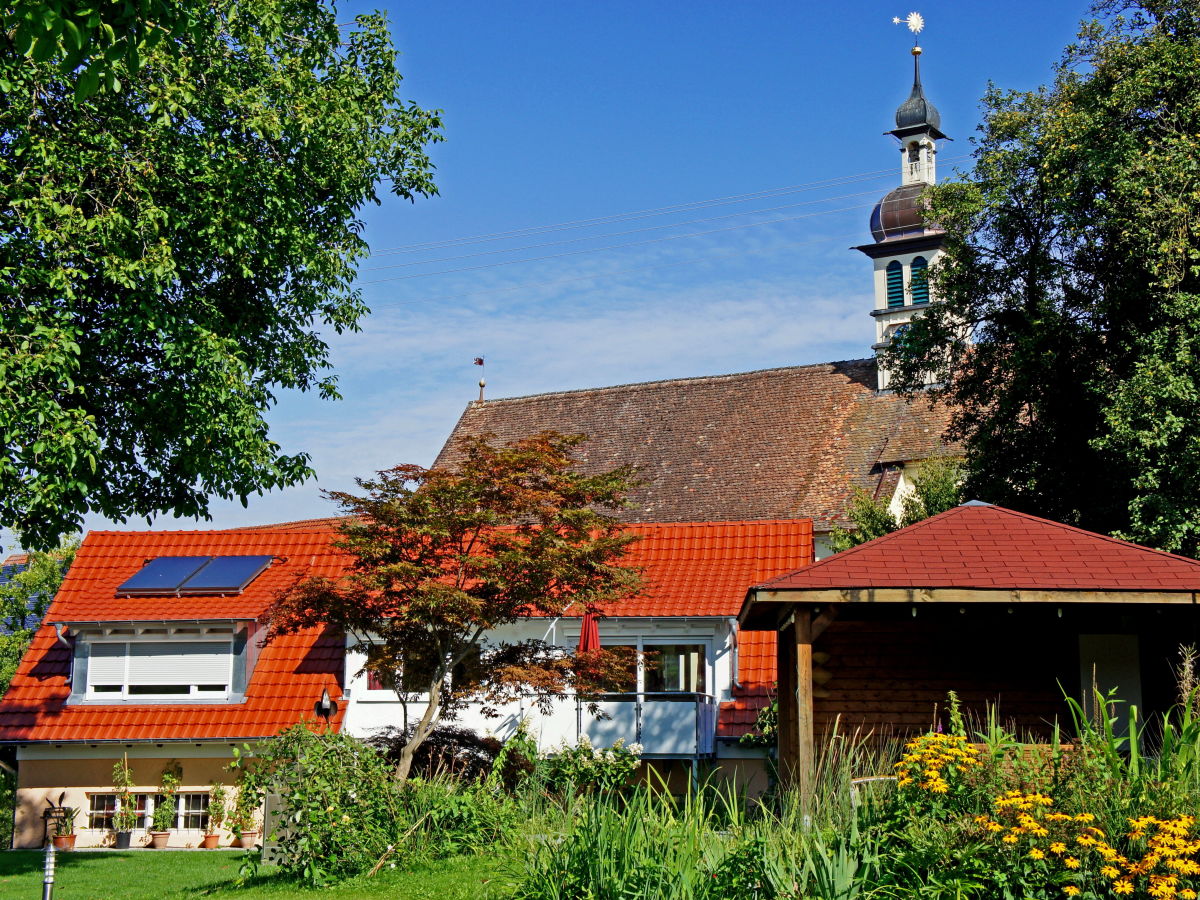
x=1004 y=608
x=152 y=652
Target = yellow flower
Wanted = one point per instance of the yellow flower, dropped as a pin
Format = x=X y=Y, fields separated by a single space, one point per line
x=1188 y=894
x=1071 y=862
x=1070 y=890
x=1058 y=847
x=1009 y=839
x=1035 y=853
x=1123 y=887
x=1110 y=872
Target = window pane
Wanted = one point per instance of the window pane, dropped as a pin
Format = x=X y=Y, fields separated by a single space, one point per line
x=193 y=810
x=146 y=689
x=625 y=681
x=100 y=810
x=675 y=667
x=180 y=662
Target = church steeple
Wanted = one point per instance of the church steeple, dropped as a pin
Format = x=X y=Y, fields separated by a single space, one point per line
x=905 y=243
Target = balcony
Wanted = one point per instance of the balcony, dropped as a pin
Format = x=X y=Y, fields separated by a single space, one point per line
x=670 y=725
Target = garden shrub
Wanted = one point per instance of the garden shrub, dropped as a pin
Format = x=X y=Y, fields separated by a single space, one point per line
x=449 y=750
x=338 y=808
x=583 y=768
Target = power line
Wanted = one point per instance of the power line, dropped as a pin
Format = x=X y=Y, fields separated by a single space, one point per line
x=533 y=230
x=674 y=237
x=597 y=237
x=616 y=272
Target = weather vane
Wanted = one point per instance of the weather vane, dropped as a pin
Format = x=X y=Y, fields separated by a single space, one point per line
x=915 y=22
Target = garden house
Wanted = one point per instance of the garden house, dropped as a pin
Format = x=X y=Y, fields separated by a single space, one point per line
x=1003 y=608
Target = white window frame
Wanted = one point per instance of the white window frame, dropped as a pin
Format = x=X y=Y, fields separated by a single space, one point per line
x=645 y=643
x=225 y=640
x=146 y=818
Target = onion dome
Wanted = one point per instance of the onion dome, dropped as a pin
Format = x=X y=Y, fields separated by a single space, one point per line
x=899 y=214
x=917 y=113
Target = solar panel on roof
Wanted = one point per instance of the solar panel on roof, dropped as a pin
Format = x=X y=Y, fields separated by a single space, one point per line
x=162 y=575
x=225 y=575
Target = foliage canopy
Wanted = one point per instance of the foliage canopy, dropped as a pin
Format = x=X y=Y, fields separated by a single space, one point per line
x=175 y=245
x=440 y=558
x=1067 y=339
x=936 y=487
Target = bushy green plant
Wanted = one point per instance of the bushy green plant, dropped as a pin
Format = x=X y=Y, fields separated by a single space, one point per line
x=218 y=807
x=165 y=807
x=583 y=767
x=126 y=816
x=338 y=808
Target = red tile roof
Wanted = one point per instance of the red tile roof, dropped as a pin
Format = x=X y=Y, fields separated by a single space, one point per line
x=704 y=568
x=108 y=558
x=691 y=569
x=287 y=680
x=978 y=546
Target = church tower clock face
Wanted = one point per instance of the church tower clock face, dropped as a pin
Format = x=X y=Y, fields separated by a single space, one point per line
x=905 y=244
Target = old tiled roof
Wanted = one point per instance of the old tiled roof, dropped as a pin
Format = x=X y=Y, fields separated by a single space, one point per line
x=772 y=444
x=982 y=547
x=287 y=680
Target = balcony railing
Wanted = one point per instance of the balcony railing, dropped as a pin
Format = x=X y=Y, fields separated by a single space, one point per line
x=669 y=725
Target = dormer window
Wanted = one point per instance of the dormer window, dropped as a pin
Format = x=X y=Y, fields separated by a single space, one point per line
x=158 y=669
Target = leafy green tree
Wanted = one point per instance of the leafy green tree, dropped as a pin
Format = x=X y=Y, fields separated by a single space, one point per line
x=936 y=487
x=24 y=597
x=87 y=39
x=1067 y=336
x=441 y=558
x=172 y=252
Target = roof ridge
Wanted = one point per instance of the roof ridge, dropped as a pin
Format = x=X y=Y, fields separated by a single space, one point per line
x=633 y=385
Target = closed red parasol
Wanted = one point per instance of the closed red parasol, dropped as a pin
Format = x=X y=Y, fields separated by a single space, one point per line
x=589 y=633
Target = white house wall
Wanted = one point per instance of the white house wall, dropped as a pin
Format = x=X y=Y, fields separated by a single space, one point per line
x=665 y=727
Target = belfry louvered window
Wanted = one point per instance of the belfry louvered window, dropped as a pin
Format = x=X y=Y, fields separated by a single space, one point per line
x=895 y=284
x=920 y=280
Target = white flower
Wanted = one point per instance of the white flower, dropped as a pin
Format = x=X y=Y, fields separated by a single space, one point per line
x=584 y=741
x=609 y=756
x=636 y=749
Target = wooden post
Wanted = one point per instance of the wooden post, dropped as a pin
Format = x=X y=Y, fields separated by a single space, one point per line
x=785 y=728
x=806 y=757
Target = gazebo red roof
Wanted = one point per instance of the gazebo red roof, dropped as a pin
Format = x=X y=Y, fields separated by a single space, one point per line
x=982 y=547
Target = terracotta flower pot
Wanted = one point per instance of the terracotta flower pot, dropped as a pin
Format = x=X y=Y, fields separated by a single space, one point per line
x=247 y=840
x=64 y=842
x=209 y=841
x=158 y=839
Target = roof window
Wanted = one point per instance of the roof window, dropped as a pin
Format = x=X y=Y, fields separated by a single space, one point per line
x=182 y=576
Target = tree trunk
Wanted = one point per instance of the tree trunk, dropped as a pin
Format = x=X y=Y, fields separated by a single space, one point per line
x=424 y=727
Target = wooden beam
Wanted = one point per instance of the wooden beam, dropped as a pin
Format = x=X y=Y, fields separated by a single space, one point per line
x=823 y=621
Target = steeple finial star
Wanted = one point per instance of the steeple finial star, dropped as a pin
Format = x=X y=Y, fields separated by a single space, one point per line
x=914 y=20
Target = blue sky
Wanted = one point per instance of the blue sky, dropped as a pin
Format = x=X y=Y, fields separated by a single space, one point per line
x=564 y=111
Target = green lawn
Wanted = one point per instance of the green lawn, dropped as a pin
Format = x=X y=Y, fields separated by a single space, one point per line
x=151 y=875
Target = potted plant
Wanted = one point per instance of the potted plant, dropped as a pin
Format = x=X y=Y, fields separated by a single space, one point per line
x=164 y=807
x=217 y=813
x=244 y=820
x=64 y=829
x=125 y=818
